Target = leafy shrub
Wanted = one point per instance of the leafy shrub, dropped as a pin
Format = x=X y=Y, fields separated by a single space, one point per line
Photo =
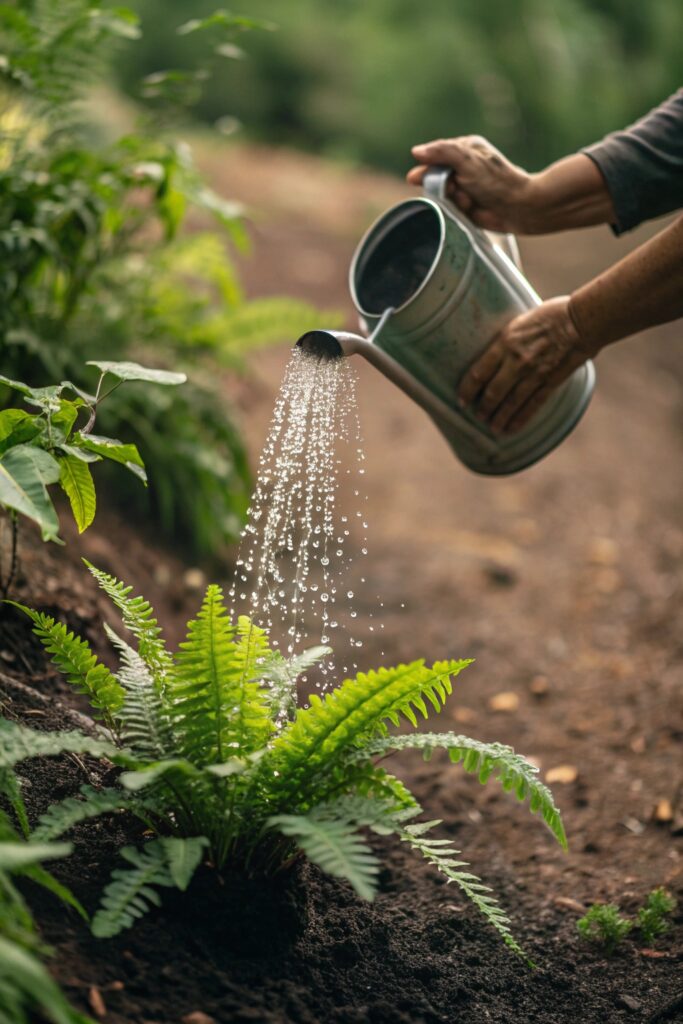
x=220 y=761
x=25 y=985
x=604 y=926
x=93 y=264
x=651 y=919
x=41 y=448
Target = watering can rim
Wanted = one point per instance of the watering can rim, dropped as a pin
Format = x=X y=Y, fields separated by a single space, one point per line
x=412 y=201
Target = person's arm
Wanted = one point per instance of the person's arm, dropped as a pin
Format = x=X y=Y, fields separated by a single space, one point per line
x=538 y=350
x=499 y=196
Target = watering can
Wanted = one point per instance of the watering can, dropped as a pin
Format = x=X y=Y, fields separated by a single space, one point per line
x=432 y=290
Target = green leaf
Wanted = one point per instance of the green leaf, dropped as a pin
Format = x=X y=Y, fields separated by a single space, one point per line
x=225 y=20
x=133 y=371
x=25 y=474
x=31 y=979
x=16 y=427
x=14 y=856
x=183 y=857
x=108 y=448
x=77 y=483
x=335 y=846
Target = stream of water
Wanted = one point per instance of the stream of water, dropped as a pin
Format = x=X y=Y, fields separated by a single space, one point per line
x=296 y=556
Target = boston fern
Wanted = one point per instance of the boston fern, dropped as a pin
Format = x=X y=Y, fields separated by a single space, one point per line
x=222 y=765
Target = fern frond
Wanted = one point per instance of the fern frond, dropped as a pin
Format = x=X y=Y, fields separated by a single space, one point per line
x=358 y=708
x=218 y=707
x=164 y=862
x=138 y=617
x=91 y=803
x=145 y=726
x=10 y=788
x=334 y=845
x=18 y=743
x=72 y=656
x=486 y=760
x=443 y=856
x=281 y=674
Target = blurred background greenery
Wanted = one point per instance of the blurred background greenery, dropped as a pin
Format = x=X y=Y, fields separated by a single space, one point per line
x=365 y=80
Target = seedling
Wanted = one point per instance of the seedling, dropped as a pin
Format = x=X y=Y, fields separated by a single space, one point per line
x=604 y=926
x=222 y=764
x=651 y=920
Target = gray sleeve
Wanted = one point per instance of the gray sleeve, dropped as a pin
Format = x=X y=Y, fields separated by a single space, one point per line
x=643 y=165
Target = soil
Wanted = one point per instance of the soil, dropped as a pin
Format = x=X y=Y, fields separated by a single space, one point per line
x=565 y=583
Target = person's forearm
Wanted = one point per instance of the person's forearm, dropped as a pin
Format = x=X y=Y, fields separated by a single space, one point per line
x=569 y=194
x=642 y=290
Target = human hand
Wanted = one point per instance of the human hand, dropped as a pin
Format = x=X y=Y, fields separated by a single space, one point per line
x=494 y=193
x=531 y=356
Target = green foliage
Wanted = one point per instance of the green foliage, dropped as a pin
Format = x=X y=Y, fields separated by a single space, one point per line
x=368 y=80
x=25 y=985
x=604 y=926
x=219 y=756
x=651 y=919
x=93 y=264
x=45 y=447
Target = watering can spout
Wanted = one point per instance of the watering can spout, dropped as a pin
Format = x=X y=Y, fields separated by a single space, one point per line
x=331 y=344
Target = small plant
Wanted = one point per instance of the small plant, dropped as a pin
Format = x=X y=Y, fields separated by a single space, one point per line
x=25 y=985
x=221 y=763
x=651 y=919
x=604 y=926
x=47 y=446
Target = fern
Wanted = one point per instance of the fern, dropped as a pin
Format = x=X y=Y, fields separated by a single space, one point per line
x=228 y=763
x=91 y=803
x=335 y=846
x=218 y=707
x=162 y=862
x=144 y=725
x=486 y=760
x=441 y=854
x=358 y=708
x=73 y=657
x=138 y=617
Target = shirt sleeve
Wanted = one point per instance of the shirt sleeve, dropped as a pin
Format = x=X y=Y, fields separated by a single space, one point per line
x=643 y=165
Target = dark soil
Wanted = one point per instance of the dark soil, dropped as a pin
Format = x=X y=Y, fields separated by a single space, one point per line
x=566 y=584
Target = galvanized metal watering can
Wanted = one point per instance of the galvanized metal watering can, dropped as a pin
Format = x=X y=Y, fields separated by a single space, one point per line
x=434 y=290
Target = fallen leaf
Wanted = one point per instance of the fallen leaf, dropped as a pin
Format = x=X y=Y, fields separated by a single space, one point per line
x=562 y=773
x=507 y=701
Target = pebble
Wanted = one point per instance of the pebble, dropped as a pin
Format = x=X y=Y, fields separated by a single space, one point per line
x=197 y=1017
x=539 y=686
x=562 y=773
x=603 y=551
x=464 y=715
x=628 y=1002
x=194 y=579
x=567 y=903
x=663 y=811
x=507 y=701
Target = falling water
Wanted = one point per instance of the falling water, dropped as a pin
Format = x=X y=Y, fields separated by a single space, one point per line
x=293 y=569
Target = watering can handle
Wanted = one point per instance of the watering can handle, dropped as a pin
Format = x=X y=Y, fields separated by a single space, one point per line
x=435 y=184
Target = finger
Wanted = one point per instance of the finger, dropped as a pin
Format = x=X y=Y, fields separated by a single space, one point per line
x=513 y=404
x=462 y=200
x=499 y=387
x=416 y=174
x=445 y=151
x=480 y=373
x=530 y=408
